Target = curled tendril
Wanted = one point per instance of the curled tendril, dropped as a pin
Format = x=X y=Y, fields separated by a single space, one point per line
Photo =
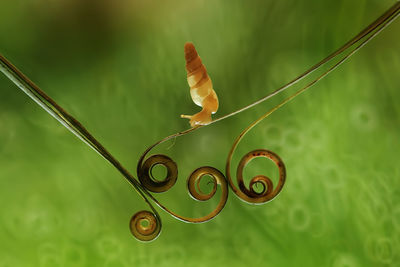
x=149 y=183
x=146 y=176
x=193 y=184
x=267 y=192
x=145 y=225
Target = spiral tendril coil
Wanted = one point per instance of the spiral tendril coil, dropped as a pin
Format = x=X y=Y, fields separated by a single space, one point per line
x=267 y=193
x=145 y=226
x=151 y=184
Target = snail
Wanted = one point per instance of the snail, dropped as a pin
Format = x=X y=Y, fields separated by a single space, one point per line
x=201 y=89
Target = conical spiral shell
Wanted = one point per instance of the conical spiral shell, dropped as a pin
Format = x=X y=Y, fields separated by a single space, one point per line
x=201 y=88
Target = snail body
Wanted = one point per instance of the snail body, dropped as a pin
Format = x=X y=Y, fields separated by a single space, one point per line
x=201 y=88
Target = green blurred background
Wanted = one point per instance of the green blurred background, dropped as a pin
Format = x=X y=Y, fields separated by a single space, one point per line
x=118 y=67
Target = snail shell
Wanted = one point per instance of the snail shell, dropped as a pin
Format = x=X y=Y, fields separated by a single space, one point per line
x=201 y=88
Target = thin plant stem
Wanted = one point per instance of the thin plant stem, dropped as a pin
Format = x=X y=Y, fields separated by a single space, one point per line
x=382 y=22
x=69 y=122
x=374 y=25
x=288 y=99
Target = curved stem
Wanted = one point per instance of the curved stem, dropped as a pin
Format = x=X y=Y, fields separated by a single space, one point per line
x=374 y=25
x=389 y=19
x=390 y=14
x=69 y=122
x=202 y=219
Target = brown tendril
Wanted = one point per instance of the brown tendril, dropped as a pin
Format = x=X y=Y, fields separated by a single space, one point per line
x=267 y=193
x=145 y=226
x=146 y=176
x=157 y=186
